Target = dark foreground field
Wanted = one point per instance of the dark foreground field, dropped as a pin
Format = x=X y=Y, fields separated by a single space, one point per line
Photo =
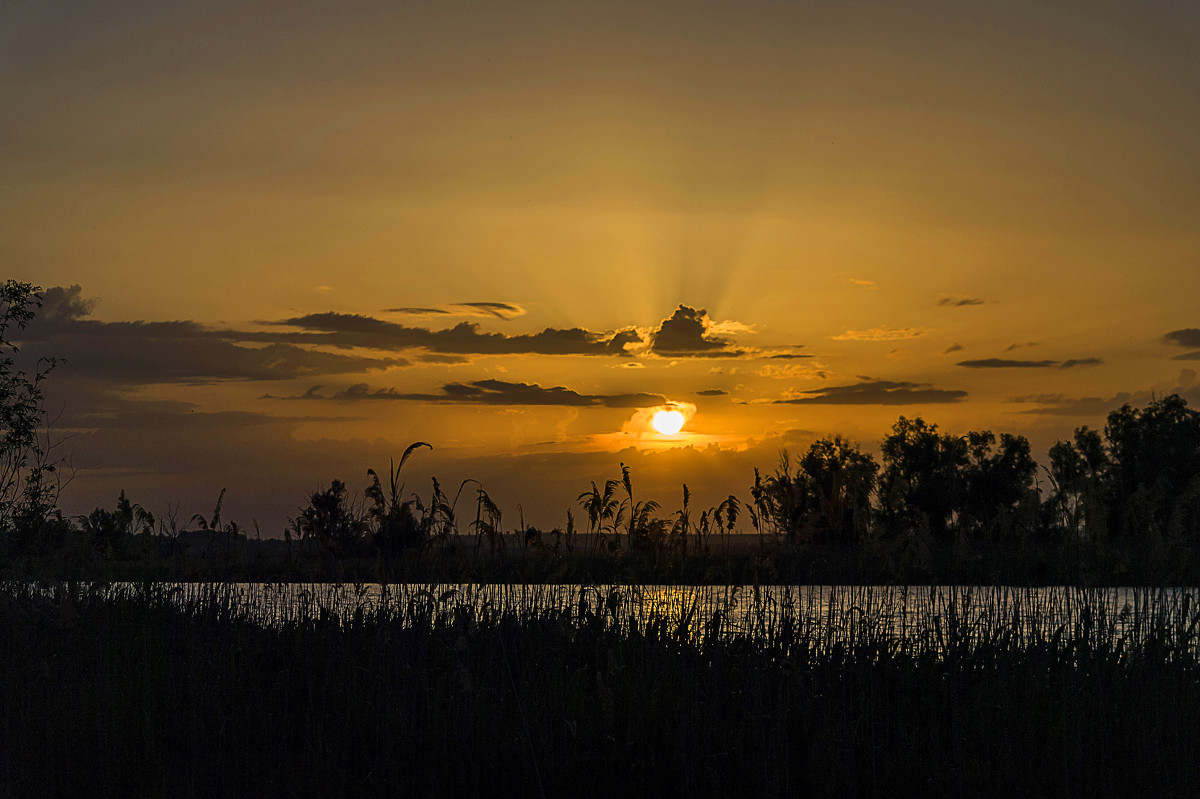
x=148 y=693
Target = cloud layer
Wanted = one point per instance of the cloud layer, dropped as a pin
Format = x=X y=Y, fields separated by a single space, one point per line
x=1007 y=363
x=486 y=392
x=876 y=392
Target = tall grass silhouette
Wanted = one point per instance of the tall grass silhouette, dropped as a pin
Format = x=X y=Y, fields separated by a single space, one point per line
x=200 y=690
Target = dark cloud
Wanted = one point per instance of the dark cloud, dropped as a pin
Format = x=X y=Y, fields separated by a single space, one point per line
x=686 y=334
x=1185 y=385
x=498 y=310
x=489 y=392
x=1018 y=344
x=165 y=352
x=959 y=302
x=159 y=353
x=621 y=339
x=217 y=421
x=60 y=303
x=1185 y=337
x=631 y=400
x=1060 y=405
x=434 y=357
x=952 y=348
x=185 y=350
x=877 y=392
x=712 y=392
x=465 y=338
x=788 y=356
x=90 y=407
x=313 y=393
x=1005 y=363
x=417 y=311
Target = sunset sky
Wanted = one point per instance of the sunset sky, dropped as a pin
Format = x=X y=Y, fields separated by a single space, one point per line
x=282 y=241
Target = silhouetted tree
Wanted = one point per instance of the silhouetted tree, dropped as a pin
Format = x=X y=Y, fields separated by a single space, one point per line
x=783 y=500
x=998 y=484
x=840 y=482
x=330 y=519
x=29 y=479
x=1077 y=504
x=103 y=532
x=922 y=484
x=1154 y=458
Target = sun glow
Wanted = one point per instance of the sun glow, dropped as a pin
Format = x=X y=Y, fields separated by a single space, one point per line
x=667 y=423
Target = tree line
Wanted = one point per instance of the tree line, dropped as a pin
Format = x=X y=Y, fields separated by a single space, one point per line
x=1138 y=479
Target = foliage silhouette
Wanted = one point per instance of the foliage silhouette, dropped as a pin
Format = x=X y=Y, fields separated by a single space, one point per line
x=396 y=527
x=30 y=480
x=922 y=483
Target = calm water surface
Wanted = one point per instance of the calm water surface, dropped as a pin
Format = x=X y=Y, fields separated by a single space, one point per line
x=828 y=613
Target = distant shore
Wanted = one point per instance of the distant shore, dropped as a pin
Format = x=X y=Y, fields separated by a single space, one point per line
x=587 y=559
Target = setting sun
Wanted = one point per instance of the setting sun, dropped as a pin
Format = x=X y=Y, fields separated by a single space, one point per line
x=667 y=423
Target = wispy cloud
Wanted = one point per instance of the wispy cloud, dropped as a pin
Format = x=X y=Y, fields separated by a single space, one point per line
x=730 y=328
x=867 y=284
x=876 y=392
x=952 y=348
x=957 y=301
x=881 y=334
x=792 y=371
x=1006 y=363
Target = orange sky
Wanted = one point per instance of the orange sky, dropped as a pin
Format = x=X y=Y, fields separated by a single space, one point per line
x=512 y=230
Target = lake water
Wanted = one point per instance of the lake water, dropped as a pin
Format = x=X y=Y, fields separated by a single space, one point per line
x=927 y=614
